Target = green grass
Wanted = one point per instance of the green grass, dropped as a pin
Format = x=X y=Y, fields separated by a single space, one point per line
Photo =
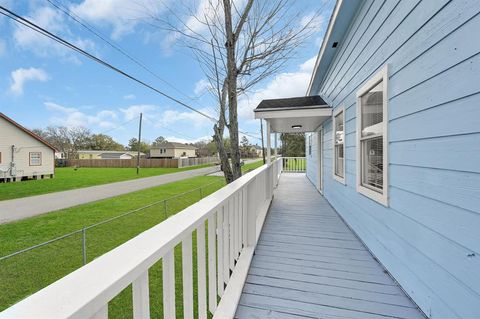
x=251 y=166
x=25 y=274
x=67 y=178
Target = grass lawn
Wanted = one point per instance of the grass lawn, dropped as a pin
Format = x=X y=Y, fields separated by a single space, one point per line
x=67 y=178
x=25 y=274
x=251 y=166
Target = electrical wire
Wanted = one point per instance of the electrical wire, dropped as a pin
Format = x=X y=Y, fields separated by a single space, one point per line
x=35 y=27
x=27 y=23
x=115 y=46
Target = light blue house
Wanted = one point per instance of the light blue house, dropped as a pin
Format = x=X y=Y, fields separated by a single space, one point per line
x=399 y=159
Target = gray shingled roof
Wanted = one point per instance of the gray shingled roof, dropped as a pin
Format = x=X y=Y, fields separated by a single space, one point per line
x=292 y=103
x=175 y=145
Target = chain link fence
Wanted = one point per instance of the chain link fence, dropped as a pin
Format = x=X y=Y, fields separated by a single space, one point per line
x=31 y=269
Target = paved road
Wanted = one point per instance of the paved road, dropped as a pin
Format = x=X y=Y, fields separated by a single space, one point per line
x=16 y=209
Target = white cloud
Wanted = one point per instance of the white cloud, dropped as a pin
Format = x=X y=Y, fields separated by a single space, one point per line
x=129 y=97
x=121 y=15
x=53 y=21
x=188 y=141
x=288 y=84
x=73 y=117
x=196 y=22
x=201 y=86
x=315 y=20
x=21 y=76
x=133 y=111
x=170 y=117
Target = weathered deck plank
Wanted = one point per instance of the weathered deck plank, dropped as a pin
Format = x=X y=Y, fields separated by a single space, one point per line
x=309 y=264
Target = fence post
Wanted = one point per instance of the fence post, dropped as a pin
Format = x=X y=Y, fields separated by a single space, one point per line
x=165 y=208
x=84 y=245
x=201 y=194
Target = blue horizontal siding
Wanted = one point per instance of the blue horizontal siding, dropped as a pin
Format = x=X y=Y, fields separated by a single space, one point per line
x=428 y=235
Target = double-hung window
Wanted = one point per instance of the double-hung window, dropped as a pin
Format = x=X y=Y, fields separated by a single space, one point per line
x=372 y=140
x=35 y=158
x=339 y=145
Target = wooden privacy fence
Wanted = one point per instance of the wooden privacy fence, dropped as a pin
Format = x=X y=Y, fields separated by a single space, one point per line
x=144 y=162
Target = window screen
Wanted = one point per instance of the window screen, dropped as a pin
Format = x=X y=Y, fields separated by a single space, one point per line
x=372 y=138
x=372 y=111
x=339 y=145
x=35 y=159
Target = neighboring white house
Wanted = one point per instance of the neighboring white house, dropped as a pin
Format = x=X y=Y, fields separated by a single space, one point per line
x=173 y=150
x=23 y=154
x=91 y=154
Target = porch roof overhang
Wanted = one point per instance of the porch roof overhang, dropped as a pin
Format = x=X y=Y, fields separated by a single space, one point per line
x=292 y=115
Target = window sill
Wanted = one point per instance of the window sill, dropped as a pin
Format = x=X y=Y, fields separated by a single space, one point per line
x=378 y=197
x=339 y=179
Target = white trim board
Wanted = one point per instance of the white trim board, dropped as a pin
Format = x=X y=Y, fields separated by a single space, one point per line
x=382 y=198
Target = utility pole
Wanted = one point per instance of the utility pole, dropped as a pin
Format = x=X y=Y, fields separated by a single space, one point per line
x=139 y=143
x=263 y=148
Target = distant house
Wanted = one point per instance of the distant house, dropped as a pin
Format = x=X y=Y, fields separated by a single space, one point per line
x=23 y=154
x=90 y=154
x=258 y=150
x=173 y=150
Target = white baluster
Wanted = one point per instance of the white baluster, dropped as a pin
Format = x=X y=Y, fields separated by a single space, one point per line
x=187 y=277
x=201 y=273
x=220 y=281
x=212 y=266
x=226 y=243
x=141 y=297
x=231 y=219
x=169 y=285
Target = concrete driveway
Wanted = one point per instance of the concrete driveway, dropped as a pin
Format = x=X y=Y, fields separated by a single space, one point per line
x=20 y=208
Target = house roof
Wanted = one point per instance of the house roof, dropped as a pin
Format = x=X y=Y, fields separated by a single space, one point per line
x=20 y=127
x=174 y=145
x=342 y=15
x=302 y=102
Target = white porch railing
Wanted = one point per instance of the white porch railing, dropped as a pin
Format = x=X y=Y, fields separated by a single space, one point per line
x=234 y=216
x=294 y=164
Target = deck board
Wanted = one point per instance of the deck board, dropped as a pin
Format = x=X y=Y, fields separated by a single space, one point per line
x=309 y=264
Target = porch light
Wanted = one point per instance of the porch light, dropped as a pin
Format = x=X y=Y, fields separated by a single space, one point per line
x=296 y=126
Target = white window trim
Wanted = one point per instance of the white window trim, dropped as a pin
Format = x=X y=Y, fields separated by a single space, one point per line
x=335 y=176
x=382 y=198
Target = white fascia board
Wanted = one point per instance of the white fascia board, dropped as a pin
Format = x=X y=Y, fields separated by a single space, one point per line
x=280 y=114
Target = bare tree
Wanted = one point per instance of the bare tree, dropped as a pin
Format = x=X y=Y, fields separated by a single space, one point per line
x=67 y=140
x=237 y=44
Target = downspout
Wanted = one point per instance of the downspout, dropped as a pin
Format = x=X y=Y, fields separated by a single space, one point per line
x=12 y=163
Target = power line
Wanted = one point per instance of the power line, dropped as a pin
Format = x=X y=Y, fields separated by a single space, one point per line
x=115 y=46
x=27 y=23
x=56 y=38
x=119 y=125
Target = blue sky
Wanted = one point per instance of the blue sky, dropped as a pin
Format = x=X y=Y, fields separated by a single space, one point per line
x=45 y=84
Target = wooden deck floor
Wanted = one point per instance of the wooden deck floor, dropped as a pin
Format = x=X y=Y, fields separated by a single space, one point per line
x=309 y=264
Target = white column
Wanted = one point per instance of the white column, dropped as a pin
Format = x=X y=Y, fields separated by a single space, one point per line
x=275 y=145
x=269 y=142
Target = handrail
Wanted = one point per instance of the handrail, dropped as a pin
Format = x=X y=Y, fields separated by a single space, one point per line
x=232 y=213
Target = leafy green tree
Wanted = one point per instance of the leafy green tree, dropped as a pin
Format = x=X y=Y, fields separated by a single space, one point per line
x=159 y=140
x=133 y=145
x=102 y=142
x=293 y=144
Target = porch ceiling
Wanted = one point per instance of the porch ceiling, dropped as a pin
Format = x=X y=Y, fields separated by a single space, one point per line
x=299 y=114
